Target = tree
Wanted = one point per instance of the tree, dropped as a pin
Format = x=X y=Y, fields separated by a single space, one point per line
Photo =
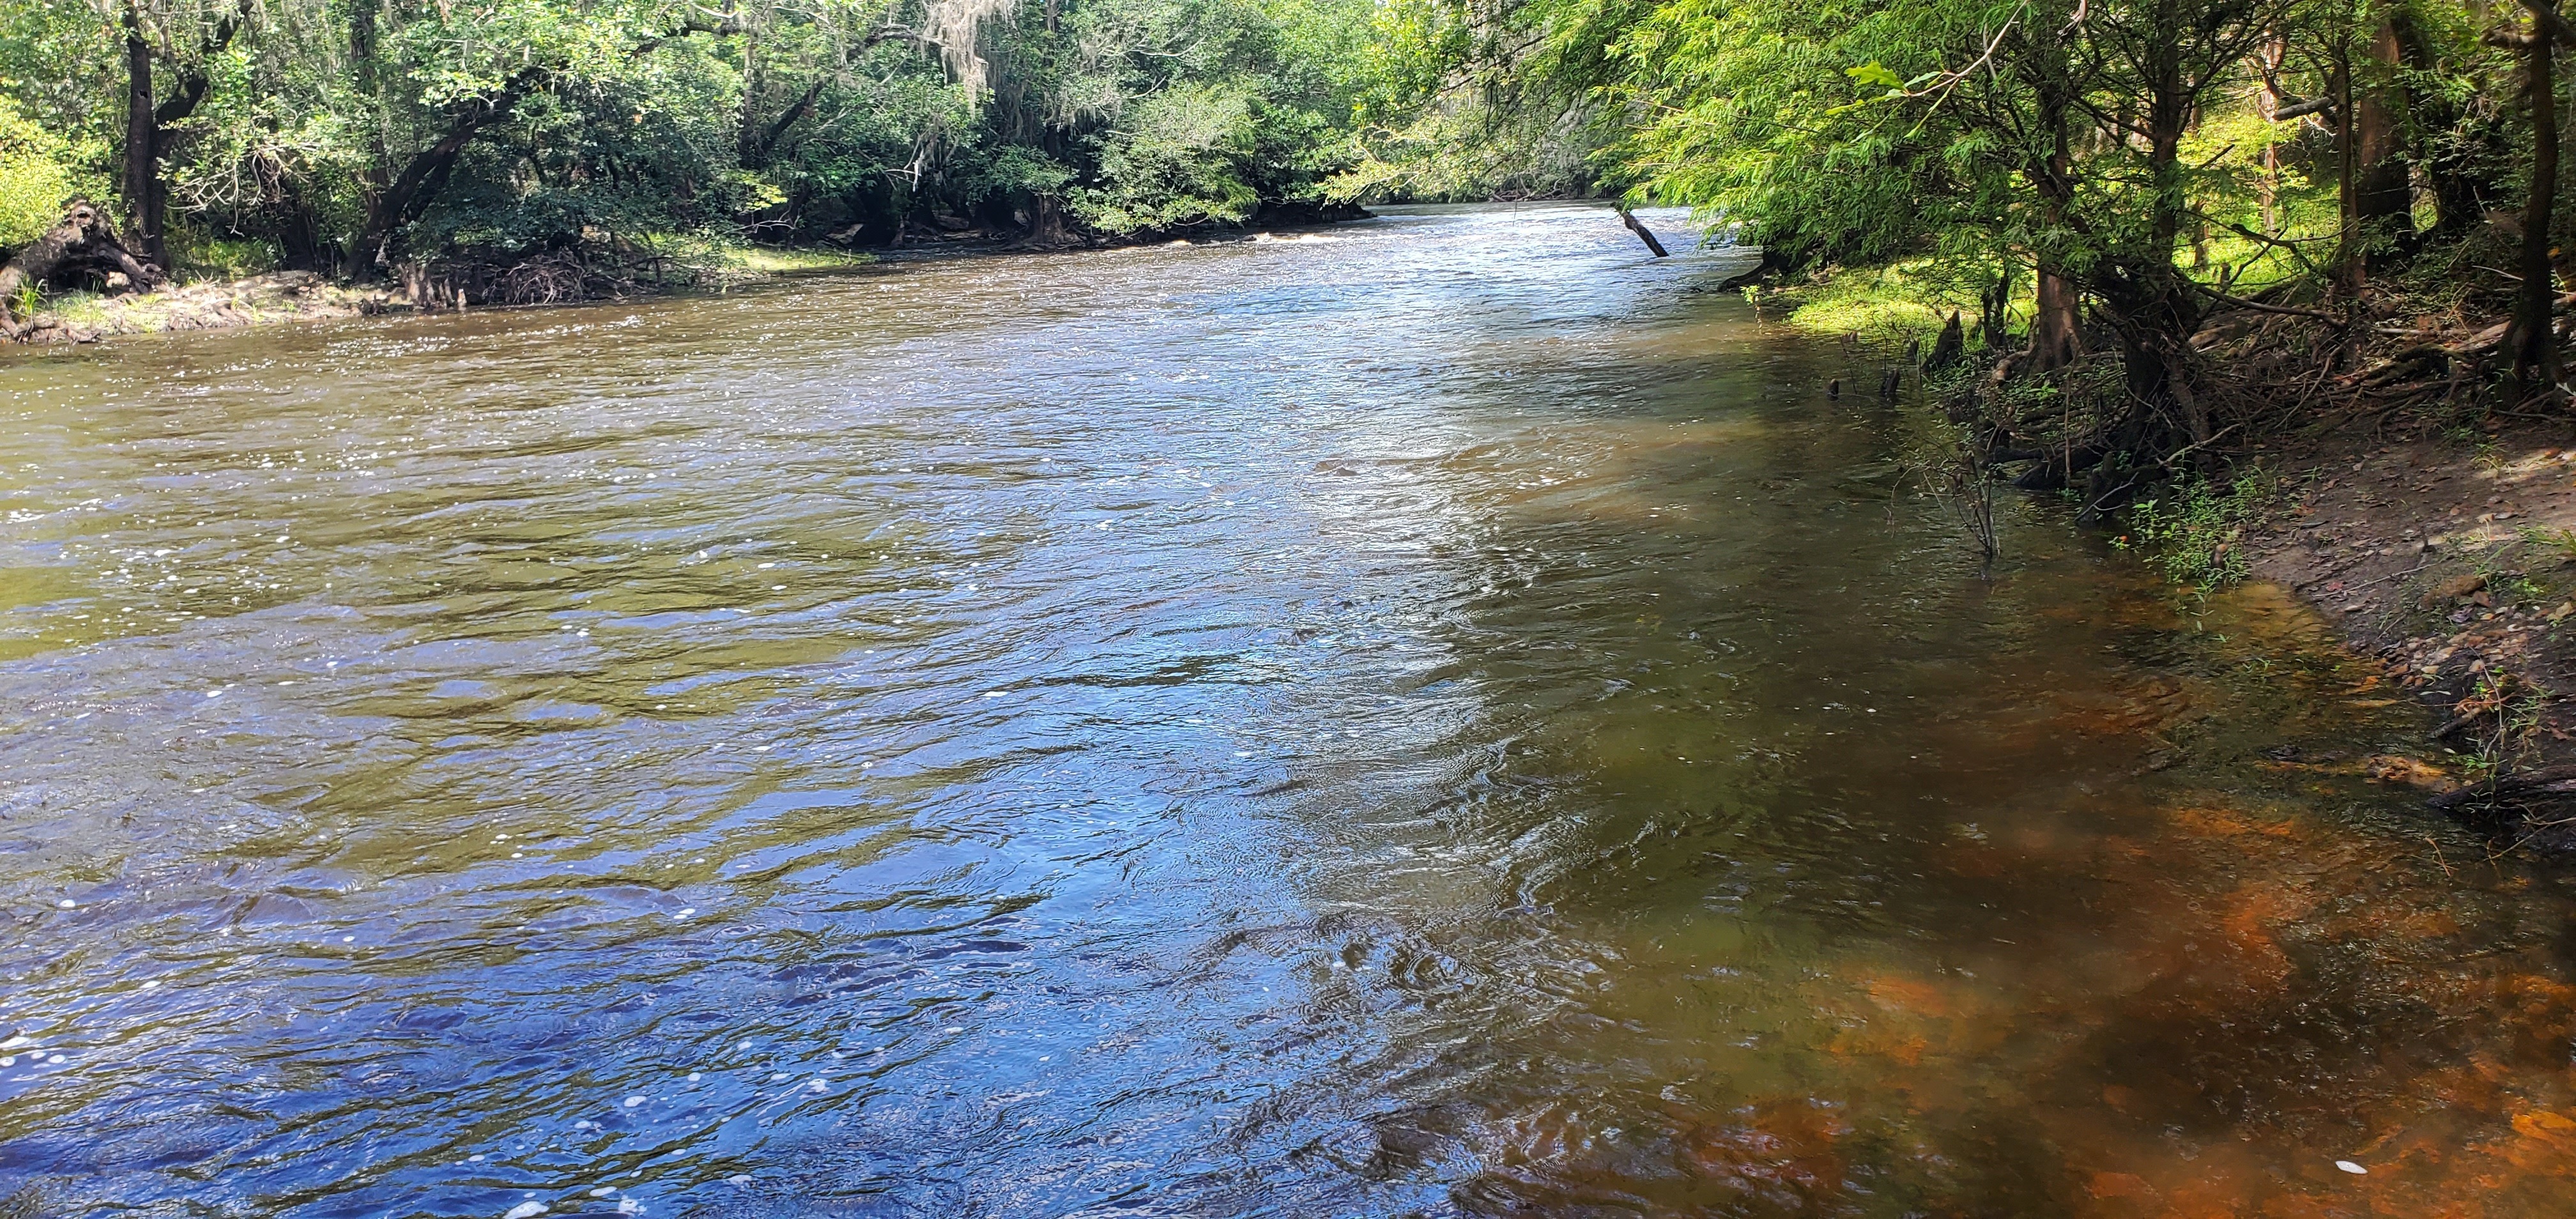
x=184 y=36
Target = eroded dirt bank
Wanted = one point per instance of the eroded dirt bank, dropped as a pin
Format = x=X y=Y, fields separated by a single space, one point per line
x=2452 y=561
x=212 y=305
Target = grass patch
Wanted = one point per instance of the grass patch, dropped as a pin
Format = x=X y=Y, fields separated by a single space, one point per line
x=2561 y=543
x=718 y=260
x=1883 y=305
x=85 y=309
x=777 y=260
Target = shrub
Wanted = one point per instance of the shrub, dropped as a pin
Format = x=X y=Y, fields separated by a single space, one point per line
x=39 y=173
x=2191 y=534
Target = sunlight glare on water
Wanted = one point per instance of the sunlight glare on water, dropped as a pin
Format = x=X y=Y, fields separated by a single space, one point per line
x=1437 y=717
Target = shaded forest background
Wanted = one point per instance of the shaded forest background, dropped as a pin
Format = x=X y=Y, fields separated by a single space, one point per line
x=2080 y=176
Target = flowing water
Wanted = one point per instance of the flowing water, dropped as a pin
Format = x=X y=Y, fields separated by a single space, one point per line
x=1439 y=717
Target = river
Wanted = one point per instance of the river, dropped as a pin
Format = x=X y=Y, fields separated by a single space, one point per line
x=1441 y=716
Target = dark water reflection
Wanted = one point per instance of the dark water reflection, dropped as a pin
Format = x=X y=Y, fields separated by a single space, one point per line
x=1440 y=718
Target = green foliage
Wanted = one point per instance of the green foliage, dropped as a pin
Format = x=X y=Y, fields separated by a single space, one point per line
x=1885 y=305
x=39 y=172
x=356 y=136
x=1944 y=141
x=1468 y=101
x=2191 y=534
x=2501 y=719
x=223 y=257
x=1179 y=157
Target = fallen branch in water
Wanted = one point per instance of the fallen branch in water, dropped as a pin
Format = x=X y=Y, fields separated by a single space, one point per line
x=1643 y=233
x=2517 y=783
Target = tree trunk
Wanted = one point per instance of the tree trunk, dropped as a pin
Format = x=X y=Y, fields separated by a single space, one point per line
x=142 y=185
x=409 y=194
x=2054 y=339
x=2383 y=202
x=2149 y=299
x=1949 y=348
x=1994 y=321
x=2531 y=346
x=746 y=128
x=149 y=125
x=2267 y=106
x=2460 y=189
x=1046 y=220
x=761 y=142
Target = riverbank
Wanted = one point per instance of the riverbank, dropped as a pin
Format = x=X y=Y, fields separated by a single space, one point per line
x=208 y=305
x=2438 y=539
x=2436 y=533
x=626 y=272
x=2449 y=558
x=220 y=303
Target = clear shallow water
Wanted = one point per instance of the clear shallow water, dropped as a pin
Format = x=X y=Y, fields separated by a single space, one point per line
x=1440 y=719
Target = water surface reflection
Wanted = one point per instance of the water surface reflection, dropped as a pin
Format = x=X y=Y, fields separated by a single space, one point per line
x=1440 y=717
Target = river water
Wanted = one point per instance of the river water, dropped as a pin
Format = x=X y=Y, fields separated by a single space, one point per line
x=1438 y=717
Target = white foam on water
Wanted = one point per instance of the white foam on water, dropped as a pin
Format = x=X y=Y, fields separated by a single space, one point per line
x=524 y=1210
x=633 y=1101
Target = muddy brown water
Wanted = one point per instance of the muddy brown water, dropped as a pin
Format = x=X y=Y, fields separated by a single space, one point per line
x=1438 y=718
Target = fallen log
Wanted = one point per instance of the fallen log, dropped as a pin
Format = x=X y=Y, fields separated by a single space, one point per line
x=2516 y=783
x=82 y=241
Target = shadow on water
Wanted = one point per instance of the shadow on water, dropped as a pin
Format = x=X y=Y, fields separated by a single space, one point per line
x=1438 y=716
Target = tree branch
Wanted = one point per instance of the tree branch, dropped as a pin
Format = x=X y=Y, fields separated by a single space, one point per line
x=2259 y=307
